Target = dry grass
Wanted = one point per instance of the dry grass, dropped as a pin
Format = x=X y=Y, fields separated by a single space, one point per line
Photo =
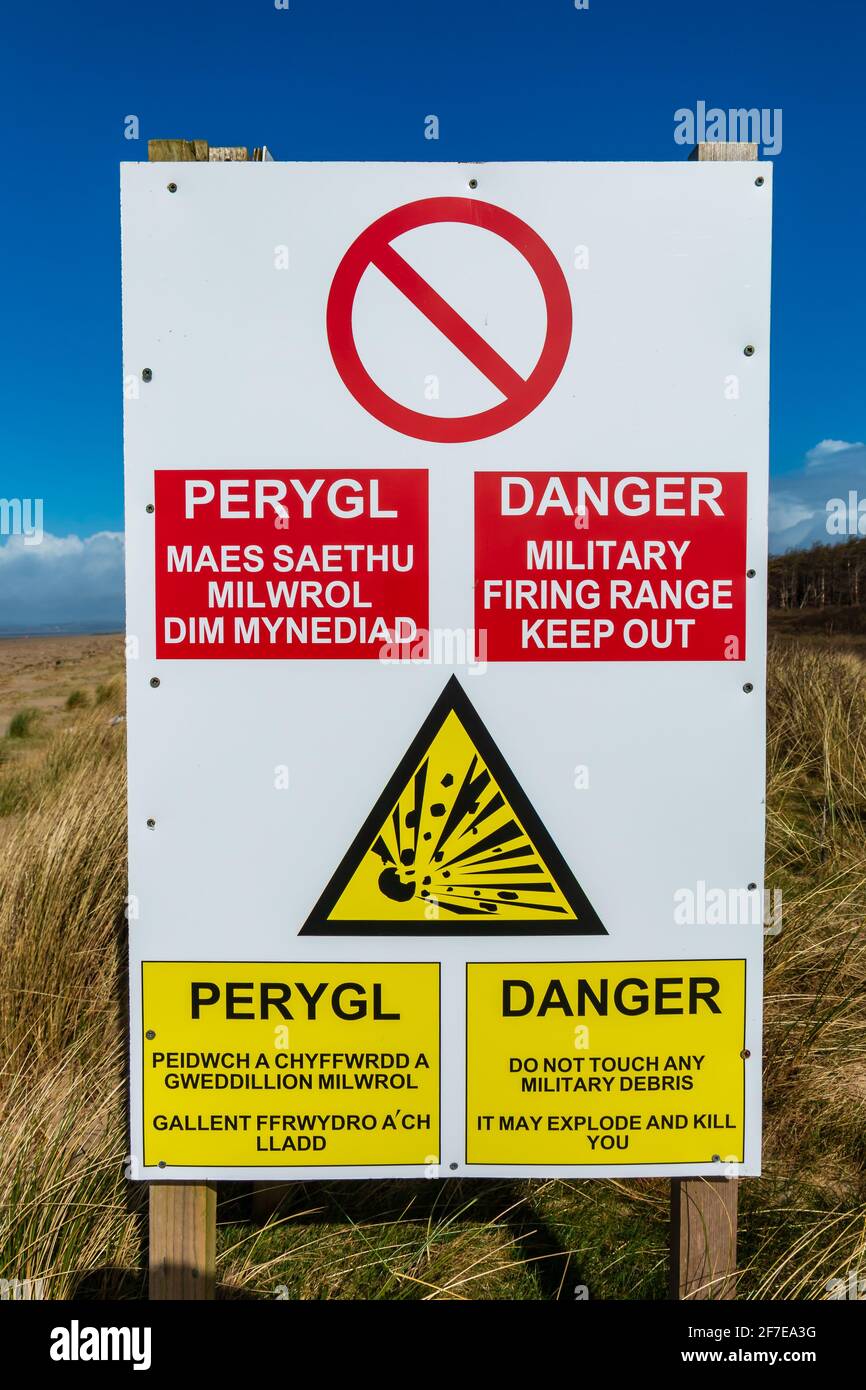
x=65 y=1213
x=68 y=1215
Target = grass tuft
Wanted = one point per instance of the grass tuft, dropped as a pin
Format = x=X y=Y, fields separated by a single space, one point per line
x=109 y=693
x=24 y=723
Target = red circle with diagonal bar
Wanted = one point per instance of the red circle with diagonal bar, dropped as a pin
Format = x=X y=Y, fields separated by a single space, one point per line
x=373 y=247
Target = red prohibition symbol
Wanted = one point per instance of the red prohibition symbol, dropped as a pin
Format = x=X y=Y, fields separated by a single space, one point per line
x=522 y=395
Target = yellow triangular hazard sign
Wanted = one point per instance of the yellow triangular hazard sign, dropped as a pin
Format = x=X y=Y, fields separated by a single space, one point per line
x=453 y=845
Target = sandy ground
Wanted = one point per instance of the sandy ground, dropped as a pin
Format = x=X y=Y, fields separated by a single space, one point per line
x=41 y=672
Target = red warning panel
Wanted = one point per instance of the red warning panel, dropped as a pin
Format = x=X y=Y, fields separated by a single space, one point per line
x=313 y=564
x=611 y=566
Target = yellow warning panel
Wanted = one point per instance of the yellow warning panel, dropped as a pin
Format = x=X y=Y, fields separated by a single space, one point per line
x=453 y=845
x=605 y=1064
x=308 y=1065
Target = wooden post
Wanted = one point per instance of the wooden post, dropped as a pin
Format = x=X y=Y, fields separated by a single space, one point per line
x=725 y=151
x=183 y=1214
x=170 y=151
x=703 y=1238
x=163 y=151
x=704 y=1210
x=182 y=1240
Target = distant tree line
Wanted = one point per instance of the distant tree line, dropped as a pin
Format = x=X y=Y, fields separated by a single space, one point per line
x=824 y=576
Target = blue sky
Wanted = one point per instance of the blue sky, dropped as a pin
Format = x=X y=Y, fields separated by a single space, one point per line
x=345 y=80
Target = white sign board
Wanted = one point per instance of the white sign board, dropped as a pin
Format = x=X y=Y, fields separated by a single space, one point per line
x=446 y=524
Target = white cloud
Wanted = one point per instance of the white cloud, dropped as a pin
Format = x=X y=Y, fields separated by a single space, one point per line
x=825 y=450
x=798 y=500
x=62 y=580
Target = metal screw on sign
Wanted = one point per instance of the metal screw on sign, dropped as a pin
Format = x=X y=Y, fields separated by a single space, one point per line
x=717 y=1158
x=452 y=1166
x=150 y=508
x=154 y=680
x=759 y=182
x=473 y=183
x=150 y=1035
x=160 y=1164
x=172 y=187
x=745 y=1053
x=150 y=823
x=751 y=887
x=748 y=687
x=749 y=350
x=147 y=374
x=750 y=574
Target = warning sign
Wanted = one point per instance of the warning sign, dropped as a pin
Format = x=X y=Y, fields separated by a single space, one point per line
x=251 y=1064
x=374 y=248
x=611 y=566
x=290 y=564
x=419 y=456
x=635 y=1062
x=453 y=845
